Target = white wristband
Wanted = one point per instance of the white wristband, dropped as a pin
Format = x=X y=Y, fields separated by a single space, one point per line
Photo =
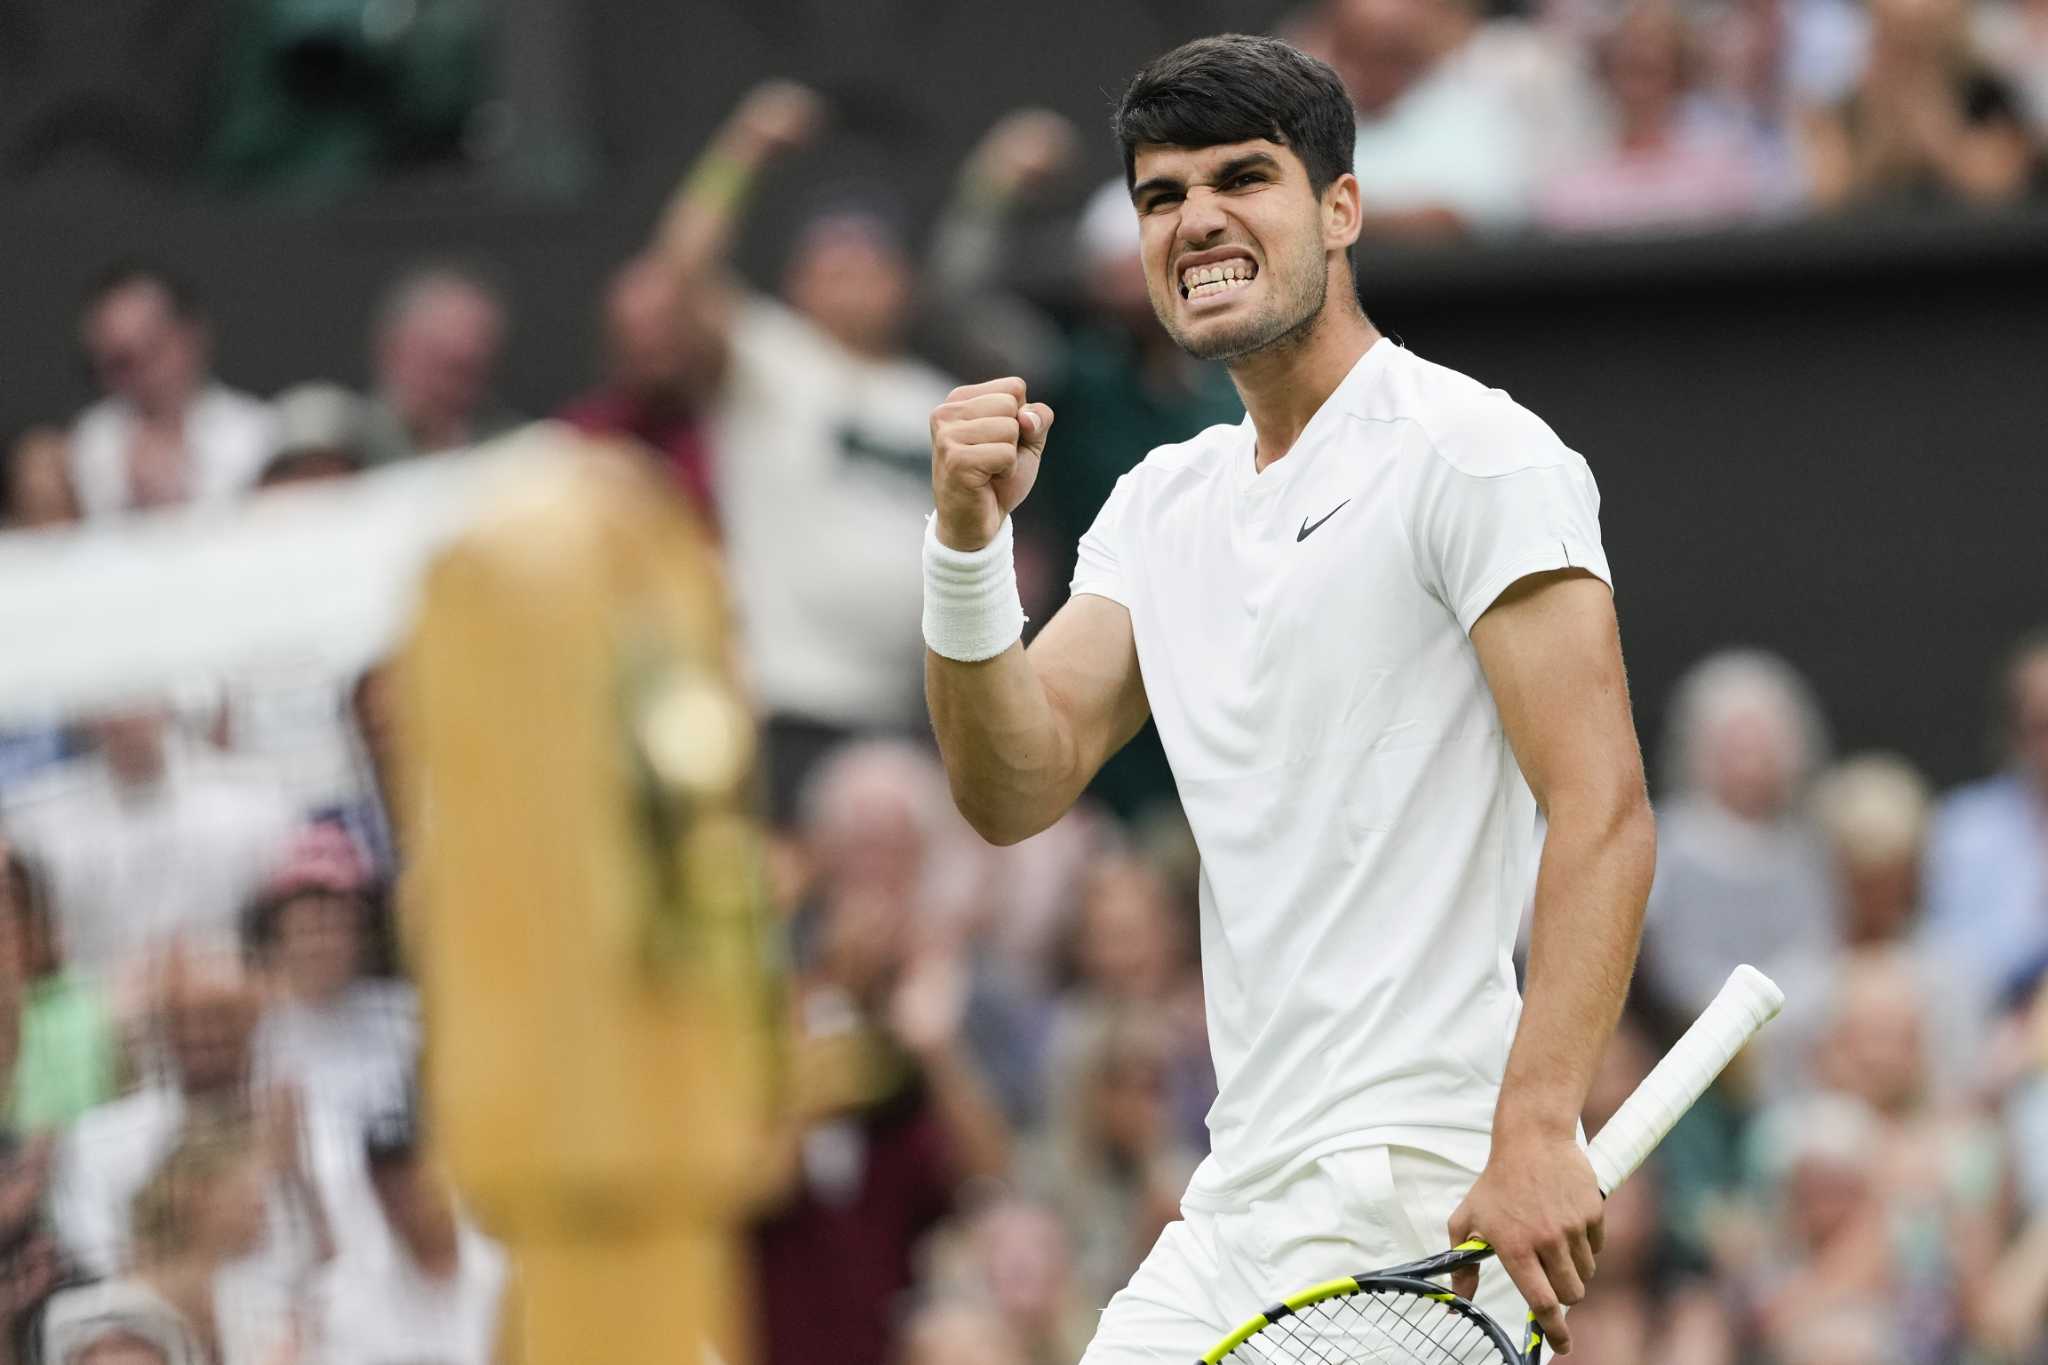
x=971 y=607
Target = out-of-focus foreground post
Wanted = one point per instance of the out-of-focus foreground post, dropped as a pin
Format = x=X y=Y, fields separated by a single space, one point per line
x=587 y=912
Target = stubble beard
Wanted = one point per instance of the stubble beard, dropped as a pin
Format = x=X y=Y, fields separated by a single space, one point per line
x=1282 y=326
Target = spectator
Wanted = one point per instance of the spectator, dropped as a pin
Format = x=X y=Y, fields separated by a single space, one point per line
x=899 y=1120
x=166 y=432
x=322 y=432
x=660 y=377
x=1926 y=123
x=1664 y=169
x=197 y=1220
x=118 y=1322
x=439 y=332
x=2012 y=38
x=823 y=432
x=1873 y=810
x=146 y=840
x=1987 y=857
x=1440 y=153
x=69 y=1055
x=1132 y=954
x=39 y=491
x=1645 y=1309
x=106 y=1158
x=1741 y=874
x=1018 y=1260
x=432 y=1291
x=952 y=1333
x=1115 y=1163
x=1540 y=69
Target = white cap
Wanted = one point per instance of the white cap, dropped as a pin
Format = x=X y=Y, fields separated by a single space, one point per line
x=1106 y=233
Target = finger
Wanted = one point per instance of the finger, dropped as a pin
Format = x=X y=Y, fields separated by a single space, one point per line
x=1583 y=1254
x=1010 y=385
x=980 y=431
x=1036 y=419
x=1560 y=1265
x=1534 y=1286
x=981 y=463
x=1596 y=1231
x=1465 y=1281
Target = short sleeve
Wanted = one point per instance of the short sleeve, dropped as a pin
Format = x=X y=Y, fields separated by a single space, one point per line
x=1522 y=503
x=1101 y=562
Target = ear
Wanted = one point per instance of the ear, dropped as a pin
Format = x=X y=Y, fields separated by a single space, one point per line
x=1343 y=213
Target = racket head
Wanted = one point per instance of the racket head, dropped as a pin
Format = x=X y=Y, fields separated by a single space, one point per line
x=1382 y=1319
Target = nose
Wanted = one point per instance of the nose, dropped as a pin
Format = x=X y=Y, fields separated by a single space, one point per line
x=1201 y=216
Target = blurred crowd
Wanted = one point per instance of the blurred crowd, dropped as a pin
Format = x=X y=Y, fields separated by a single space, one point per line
x=211 y=1151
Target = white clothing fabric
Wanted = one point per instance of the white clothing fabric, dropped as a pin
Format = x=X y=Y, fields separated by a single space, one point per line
x=1367 y=840
x=229 y=435
x=824 y=480
x=1366 y=1208
x=132 y=868
x=382 y=1310
x=1453 y=141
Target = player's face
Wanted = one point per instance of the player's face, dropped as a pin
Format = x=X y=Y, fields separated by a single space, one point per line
x=1235 y=247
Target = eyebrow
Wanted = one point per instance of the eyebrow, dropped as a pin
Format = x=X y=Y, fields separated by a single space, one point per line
x=1230 y=169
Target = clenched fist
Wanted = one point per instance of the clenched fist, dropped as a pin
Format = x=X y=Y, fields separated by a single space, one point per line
x=986 y=444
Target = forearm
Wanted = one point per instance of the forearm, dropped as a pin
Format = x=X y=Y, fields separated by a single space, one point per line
x=1008 y=758
x=1590 y=888
x=976 y=1130
x=703 y=212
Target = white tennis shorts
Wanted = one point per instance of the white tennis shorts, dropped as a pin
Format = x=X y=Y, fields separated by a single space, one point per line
x=1348 y=1212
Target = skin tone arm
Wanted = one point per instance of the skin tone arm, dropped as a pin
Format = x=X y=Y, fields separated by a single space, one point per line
x=1552 y=657
x=1021 y=733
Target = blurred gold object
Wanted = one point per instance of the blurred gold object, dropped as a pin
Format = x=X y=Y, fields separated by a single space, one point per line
x=603 y=1007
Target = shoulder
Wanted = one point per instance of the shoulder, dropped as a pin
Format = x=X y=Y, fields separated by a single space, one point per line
x=1979 y=809
x=1473 y=430
x=1206 y=453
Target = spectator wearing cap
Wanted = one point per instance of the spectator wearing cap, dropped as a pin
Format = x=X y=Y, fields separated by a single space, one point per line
x=821 y=424
x=321 y=433
x=433 y=1290
x=435 y=347
x=118 y=1322
x=1987 y=856
x=166 y=432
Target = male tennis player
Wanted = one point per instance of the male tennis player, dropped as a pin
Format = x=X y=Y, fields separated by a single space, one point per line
x=1373 y=624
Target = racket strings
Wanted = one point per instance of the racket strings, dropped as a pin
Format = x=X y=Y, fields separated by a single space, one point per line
x=1386 y=1328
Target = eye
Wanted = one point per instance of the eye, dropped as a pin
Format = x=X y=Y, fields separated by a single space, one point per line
x=1160 y=200
x=1243 y=179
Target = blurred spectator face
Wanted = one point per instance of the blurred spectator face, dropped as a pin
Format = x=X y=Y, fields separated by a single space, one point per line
x=650 y=352
x=39 y=491
x=142 y=350
x=319 y=946
x=851 y=277
x=1874 y=1049
x=1874 y=810
x=960 y=1334
x=438 y=351
x=1643 y=61
x=132 y=742
x=418 y=1206
x=118 y=1348
x=864 y=940
x=1021 y=1249
x=1825 y=1196
x=1129 y=940
x=207 y=1023
x=1751 y=760
x=1380 y=48
x=1916 y=32
x=2029 y=692
x=1129 y=1091
x=868 y=818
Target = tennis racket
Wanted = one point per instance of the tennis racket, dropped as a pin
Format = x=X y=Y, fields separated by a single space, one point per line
x=1402 y=1316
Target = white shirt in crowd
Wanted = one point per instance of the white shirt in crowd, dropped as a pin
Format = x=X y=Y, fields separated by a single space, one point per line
x=384 y=1310
x=824 y=480
x=133 y=868
x=1453 y=140
x=1367 y=840
x=229 y=435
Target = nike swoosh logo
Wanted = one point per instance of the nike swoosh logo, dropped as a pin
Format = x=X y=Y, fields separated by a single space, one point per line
x=1307 y=530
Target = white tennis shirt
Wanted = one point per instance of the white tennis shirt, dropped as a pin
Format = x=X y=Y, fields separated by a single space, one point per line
x=1367 y=840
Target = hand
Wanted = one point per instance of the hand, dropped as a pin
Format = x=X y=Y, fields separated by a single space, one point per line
x=1024 y=150
x=775 y=117
x=929 y=1004
x=1538 y=1205
x=986 y=445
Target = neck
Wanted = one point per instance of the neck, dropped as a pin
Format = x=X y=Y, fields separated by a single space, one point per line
x=1283 y=385
x=186 y=1283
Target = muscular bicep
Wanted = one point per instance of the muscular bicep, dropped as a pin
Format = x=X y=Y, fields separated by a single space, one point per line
x=1551 y=651
x=1087 y=660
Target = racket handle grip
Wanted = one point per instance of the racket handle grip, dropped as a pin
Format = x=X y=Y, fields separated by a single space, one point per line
x=1748 y=1002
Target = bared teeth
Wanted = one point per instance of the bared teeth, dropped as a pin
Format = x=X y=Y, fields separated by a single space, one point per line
x=1216 y=278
